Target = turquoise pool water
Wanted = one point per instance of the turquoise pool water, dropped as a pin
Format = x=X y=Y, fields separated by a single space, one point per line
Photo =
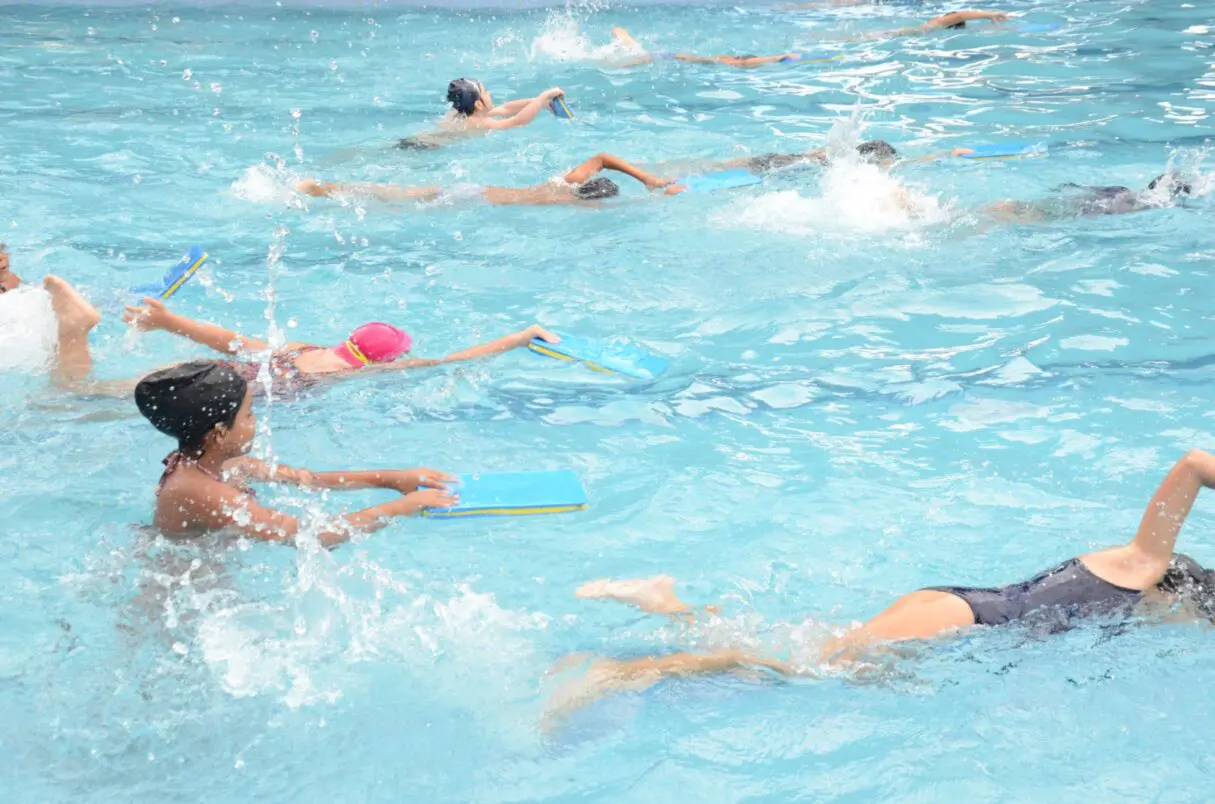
x=861 y=402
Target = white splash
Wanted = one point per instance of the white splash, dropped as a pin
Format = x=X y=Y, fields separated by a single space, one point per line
x=27 y=329
x=261 y=184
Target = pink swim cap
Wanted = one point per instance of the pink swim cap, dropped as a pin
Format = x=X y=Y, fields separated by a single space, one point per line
x=374 y=343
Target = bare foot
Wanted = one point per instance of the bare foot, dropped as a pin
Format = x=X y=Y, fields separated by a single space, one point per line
x=76 y=316
x=654 y=595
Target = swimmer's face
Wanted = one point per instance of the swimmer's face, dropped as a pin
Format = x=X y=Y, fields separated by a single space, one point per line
x=236 y=438
x=8 y=280
x=487 y=100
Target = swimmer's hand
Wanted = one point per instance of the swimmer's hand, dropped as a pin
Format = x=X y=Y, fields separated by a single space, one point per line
x=526 y=336
x=154 y=315
x=408 y=481
x=427 y=498
x=961 y=151
x=555 y=92
x=674 y=189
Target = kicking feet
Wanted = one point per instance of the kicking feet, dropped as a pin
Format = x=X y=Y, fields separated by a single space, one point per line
x=653 y=595
x=76 y=316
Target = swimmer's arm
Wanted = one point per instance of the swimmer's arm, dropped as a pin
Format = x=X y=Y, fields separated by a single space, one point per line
x=606 y=161
x=1169 y=506
x=757 y=61
x=510 y=107
x=954 y=17
x=942 y=155
x=402 y=480
x=156 y=316
x=505 y=344
x=226 y=507
x=528 y=113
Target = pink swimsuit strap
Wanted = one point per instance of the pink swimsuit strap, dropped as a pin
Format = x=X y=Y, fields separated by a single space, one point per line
x=175 y=460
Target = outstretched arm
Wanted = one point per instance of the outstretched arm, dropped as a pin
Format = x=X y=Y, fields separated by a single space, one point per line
x=1170 y=505
x=510 y=107
x=156 y=316
x=528 y=112
x=406 y=481
x=605 y=161
x=495 y=347
x=958 y=17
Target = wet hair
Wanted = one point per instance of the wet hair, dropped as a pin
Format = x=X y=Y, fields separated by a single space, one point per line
x=876 y=151
x=189 y=400
x=1190 y=581
x=463 y=94
x=1173 y=183
x=597 y=188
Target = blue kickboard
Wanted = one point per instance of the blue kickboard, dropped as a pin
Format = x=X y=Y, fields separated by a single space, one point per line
x=612 y=358
x=1038 y=27
x=1016 y=150
x=721 y=180
x=177 y=276
x=514 y=494
x=559 y=108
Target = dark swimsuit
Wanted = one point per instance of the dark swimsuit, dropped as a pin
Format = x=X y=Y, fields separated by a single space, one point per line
x=1061 y=595
x=285 y=377
x=1069 y=590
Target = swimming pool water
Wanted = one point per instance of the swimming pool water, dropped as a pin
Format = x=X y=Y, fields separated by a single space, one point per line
x=860 y=403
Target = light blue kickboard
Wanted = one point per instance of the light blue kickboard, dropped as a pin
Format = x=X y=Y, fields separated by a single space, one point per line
x=721 y=180
x=514 y=494
x=1015 y=150
x=559 y=108
x=177 y=276
x=613 y=358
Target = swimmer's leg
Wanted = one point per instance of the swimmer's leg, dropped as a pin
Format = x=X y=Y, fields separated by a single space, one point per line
x=380 y=192
x=652 y=595
x=76 y=318
x=919 y=615
x=1015 y=212
x=607 y=676
x=622 y=38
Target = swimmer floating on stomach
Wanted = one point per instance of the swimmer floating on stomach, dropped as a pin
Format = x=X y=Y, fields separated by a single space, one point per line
x=207 y=406
x=371 y=347
x=579 y=187
x=473 y=112
x=1084 y=200
x=1120 y=581
x=638 y=55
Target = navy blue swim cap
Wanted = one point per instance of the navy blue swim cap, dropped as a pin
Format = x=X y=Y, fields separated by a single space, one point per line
x=463 y=95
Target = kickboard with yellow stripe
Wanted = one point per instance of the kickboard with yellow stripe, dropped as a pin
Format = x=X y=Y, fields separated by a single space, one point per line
x=606 y=356
x=514 y=494
x=177 y=276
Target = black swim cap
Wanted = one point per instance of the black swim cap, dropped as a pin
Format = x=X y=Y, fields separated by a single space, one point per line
x=1173 y=183
x=187 y=401
x=463 y=95
x=597 y=188
x=876 y=151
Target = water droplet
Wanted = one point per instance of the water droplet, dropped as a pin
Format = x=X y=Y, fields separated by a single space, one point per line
x=176 y=20
x=333 y=64
x=459 y=236
x=186 y=74
x=216 y=88
x=292 y=323
x=296 y=113
x=314 y=35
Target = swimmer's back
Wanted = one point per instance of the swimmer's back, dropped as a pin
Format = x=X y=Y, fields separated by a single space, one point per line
x=540 y=195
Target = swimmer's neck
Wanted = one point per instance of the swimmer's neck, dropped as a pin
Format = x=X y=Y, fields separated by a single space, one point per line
x=210 y=462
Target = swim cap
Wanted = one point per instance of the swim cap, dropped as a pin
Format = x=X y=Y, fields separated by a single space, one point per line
x=601 y=187
x=374 y=343
x=463 y=95
x=876 y=151
x=187 y=401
